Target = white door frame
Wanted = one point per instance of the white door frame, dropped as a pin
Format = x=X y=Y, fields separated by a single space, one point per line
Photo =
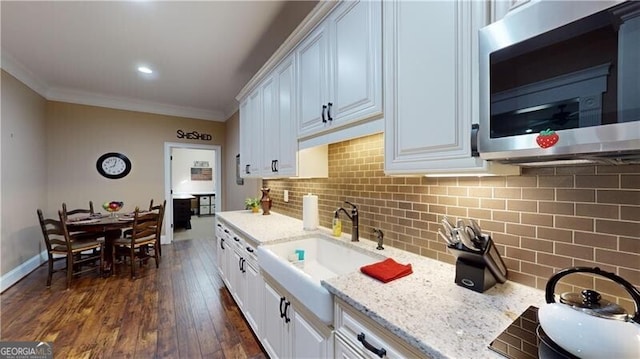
x=168 y=146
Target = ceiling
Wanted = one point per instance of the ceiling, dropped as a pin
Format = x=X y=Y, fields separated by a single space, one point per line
x=202 y=53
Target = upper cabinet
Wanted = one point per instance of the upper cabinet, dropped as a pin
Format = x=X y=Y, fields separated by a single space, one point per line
x=431 y=87
x=339 y=69
x=268 y=141
x=250 y=130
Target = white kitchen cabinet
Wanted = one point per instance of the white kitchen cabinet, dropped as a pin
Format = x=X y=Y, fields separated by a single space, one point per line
x=339 y=69
x=238 y=268
x=288 y=332
x=221 y=255
x=357 y=336
x=280 y=141
x=431 y=87
x=270 y=125
x=273 y=150
x=250 y=135
x=313 y=78
x=253 y=302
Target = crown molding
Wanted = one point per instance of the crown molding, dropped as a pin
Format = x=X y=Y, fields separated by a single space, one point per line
x=319 y=12
x=231 y=109
x=24 y=75
x=122 y=103
x=20 y=72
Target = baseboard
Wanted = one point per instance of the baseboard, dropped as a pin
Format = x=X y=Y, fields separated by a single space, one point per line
x=21 y=271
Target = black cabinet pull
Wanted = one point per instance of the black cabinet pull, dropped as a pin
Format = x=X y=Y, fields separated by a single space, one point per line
x=240 y=264
x=236 y=239
x=222 y=243
x=226 y=231
x=281 y=310
x=250 y=250
x=275 y=165
x=286 y=312
x=324 y=107
x=329 y=111
x=219 y=225
x=246 y=169
x=379 y=352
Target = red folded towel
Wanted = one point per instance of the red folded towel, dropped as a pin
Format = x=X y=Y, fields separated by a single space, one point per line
x=387 y=270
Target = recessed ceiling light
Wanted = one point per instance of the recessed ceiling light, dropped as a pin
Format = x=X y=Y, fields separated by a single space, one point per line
x=145 y=70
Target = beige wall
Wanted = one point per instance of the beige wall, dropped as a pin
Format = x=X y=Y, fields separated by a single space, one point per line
x=236 y=194
x=24 y=172
x=51 y=157
x=77 y=135
x=544 y=220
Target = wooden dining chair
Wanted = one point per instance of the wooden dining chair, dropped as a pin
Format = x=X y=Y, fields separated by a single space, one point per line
x=127 y=232
x=141 y=242
x=160 y=208
x=77 y=253
x=88 y=211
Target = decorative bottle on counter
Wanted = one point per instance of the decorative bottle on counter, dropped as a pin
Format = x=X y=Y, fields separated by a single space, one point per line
x=265 y=201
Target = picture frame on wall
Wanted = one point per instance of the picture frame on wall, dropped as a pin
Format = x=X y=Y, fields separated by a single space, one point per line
x=239 y=180
x=201 y=174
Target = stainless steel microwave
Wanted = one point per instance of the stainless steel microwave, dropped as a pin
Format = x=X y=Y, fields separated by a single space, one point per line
x=560 y=81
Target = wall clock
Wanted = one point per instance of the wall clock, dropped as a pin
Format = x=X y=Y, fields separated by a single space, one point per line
x=113 y=165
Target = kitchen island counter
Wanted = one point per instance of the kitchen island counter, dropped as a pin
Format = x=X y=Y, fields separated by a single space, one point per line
x=426 y=309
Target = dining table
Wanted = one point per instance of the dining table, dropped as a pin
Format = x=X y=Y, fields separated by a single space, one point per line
x=108 y=224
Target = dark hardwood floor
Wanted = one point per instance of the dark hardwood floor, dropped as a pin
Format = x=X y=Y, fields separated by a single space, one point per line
x=181 y=310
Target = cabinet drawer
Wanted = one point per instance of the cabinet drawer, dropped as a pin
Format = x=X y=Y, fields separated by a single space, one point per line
x=205 y=200
x=205 y=210
x=356 y=329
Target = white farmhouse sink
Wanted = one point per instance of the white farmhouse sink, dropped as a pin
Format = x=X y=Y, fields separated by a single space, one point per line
x=324 y=258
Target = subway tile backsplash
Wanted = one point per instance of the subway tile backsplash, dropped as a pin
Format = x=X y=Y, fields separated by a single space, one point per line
x=544 y=220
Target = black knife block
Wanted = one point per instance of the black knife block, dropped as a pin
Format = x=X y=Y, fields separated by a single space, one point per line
x=474 y=276
x=472 y=271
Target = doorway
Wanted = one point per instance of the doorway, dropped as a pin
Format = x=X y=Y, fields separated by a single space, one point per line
x=204 y=178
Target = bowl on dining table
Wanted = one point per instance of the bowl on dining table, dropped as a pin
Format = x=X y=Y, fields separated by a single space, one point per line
x=112 y=206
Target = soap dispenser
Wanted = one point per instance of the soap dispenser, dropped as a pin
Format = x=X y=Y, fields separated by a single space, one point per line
x=336 y=225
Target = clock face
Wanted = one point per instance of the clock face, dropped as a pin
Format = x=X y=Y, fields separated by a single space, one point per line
x=113 y=165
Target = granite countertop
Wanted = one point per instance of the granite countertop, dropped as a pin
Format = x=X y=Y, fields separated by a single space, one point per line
x=426 y=309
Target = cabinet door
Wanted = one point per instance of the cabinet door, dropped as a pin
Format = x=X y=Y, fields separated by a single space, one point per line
x=221 y=255
x=250 y=135
x=233 y=273
x=431 y=84
x=253 y=302
x=245 y=141
x=287 y=142
x=270 y=136
x=273 y=334
x=313 y=74
x=356 y=61
x=306 y=341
